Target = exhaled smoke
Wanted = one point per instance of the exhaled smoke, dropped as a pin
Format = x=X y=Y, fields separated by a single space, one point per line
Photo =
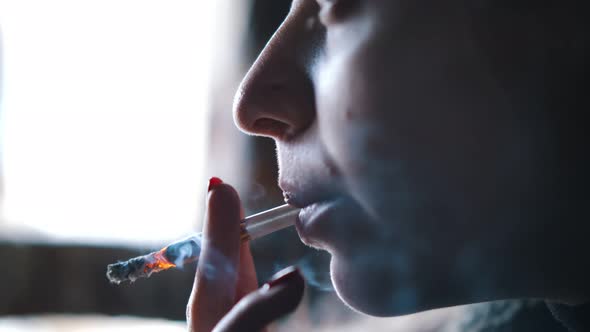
x=314 y=268
x=256 y=194
x=491 y=316
x=317 y=279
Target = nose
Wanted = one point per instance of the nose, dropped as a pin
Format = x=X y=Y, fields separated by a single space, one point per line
x=276 y=98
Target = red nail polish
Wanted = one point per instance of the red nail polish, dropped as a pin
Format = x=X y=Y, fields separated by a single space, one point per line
x=282 y=277
x=214 y=182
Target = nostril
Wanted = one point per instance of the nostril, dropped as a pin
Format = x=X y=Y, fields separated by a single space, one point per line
x=271 y=127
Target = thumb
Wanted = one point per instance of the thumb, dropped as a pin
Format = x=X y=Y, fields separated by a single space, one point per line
x=276 y=298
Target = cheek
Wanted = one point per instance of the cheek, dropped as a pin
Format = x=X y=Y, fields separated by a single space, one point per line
x=354 y=126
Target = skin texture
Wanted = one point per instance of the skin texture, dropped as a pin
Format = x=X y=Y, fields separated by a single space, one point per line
x=437 y=148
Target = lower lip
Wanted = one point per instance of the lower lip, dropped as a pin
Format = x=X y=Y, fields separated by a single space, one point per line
x=312 y=224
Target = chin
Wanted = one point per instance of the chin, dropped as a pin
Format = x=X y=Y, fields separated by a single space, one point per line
x=368 y=286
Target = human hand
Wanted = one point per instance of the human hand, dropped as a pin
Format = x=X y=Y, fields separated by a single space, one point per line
x=225 y=295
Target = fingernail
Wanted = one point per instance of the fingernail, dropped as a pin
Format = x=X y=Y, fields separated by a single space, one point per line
x=214 y=182
x=281 y=277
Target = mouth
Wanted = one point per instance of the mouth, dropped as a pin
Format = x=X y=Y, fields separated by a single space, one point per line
x=319 y=203
x=316 y=221
x=313 y=223
x=303 y=199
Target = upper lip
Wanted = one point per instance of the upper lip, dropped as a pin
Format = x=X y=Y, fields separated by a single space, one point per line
x=304 y=196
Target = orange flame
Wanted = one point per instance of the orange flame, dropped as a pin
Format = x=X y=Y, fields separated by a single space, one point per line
x=159 y=262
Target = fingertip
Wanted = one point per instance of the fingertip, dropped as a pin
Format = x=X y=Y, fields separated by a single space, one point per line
x=289 y=274
x=275 y=299
x=223 y=207
x=284 y=291
x=223 y=191
x=213 y=182
x=289 y=284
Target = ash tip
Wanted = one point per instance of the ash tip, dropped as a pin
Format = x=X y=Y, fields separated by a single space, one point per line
x=116 y=272
x=124 y=271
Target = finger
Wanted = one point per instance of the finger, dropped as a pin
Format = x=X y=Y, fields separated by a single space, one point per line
x=215 y=282
x=247 y=281
x=275 y=299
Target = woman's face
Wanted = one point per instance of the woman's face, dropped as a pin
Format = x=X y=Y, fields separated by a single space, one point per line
x=404 y=150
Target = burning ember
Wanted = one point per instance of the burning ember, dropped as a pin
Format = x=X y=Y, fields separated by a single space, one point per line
x=160 y=264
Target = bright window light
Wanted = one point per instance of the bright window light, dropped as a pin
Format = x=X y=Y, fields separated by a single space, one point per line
x=104 y=116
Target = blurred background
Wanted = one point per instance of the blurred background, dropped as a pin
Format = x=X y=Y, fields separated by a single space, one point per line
x=113 y=114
